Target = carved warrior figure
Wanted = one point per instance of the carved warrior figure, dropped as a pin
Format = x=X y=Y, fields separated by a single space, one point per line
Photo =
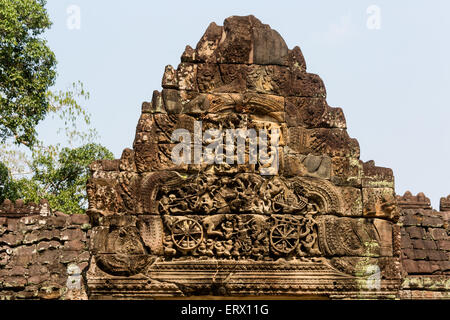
x=319 y=212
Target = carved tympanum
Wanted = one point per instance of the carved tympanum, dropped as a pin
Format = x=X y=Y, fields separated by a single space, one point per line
x=302 y=217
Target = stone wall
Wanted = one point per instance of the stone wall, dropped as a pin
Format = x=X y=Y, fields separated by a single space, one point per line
x=43 y=254
x=425 y=248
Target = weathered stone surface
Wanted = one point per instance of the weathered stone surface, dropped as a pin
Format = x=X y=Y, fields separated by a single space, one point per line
x=445 y=203
x=208 y=43
x=356 y=237
x=380 y=203
x=268 y=79
x=332 y=142
x=306 y=165
x=234 y=77
x=432 y=221
x=157 y=104
x=208 y=77
x=247 y=40
x=377 y=177
x=408 y=201
x=307 y=85
x=353 y=201
x=170 y=78
x=36 y=249
x=313 y=113
x=346 y=171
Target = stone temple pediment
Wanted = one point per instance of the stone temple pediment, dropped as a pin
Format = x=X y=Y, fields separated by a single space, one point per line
x=290 y=211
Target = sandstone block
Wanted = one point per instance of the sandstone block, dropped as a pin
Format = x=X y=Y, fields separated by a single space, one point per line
x=234 y=77
x=436 y=255
x=420 y=254
x=208 y=43
x=353 y=202
x=377 y=177
x=74 y=245
x=156 y=105
x=127 y=162
x=346 y=171
x=79 y=219
x=58 y=221
x=46 y=245
x=432 y=221
x=313 y=113
x=48 y=257
x=12 y=239
x=332 y=142
x=444 y=245
x=14 y=282
x=418 y=244
x=170 y=79
x=187 y=76
x=438 y=233
x=304 y=84
x=406 y=243
x=429 y=244
x=188 y=55
x=415 y=232
x=306 y=165
x=172 y=100
x=36 y=280
x=268 y=79
x=208 y=77
x=67 y=256
x=408 y=201
x=379 y=202
x=72 y=234
x=408 y=254
x=444 y=203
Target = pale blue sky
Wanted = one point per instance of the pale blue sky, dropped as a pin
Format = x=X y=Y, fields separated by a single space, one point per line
x=392 y=83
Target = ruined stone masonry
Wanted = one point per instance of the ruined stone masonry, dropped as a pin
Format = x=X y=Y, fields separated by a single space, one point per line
x=43 y=254
x=425 y=248
x=324 y=224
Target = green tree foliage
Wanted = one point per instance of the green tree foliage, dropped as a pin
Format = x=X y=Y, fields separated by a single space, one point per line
x=27 y=69
x=62 y=179
x=58 y=174
x=8 y=187
x=29 y=168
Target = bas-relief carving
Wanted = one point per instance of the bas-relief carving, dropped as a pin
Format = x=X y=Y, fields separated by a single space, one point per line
x=241 y=193
x=162 y=228
x=245 y=218
x=255 y=237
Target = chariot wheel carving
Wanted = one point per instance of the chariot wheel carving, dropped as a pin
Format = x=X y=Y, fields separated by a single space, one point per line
x=187 y=234
x=284 y=238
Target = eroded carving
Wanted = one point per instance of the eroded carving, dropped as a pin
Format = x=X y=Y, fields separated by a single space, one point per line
x=241 y=236
x=244 y=193
x=310 y=225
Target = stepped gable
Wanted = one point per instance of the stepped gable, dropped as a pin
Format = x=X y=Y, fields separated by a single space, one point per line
x=408 y=201
x=315 y=205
